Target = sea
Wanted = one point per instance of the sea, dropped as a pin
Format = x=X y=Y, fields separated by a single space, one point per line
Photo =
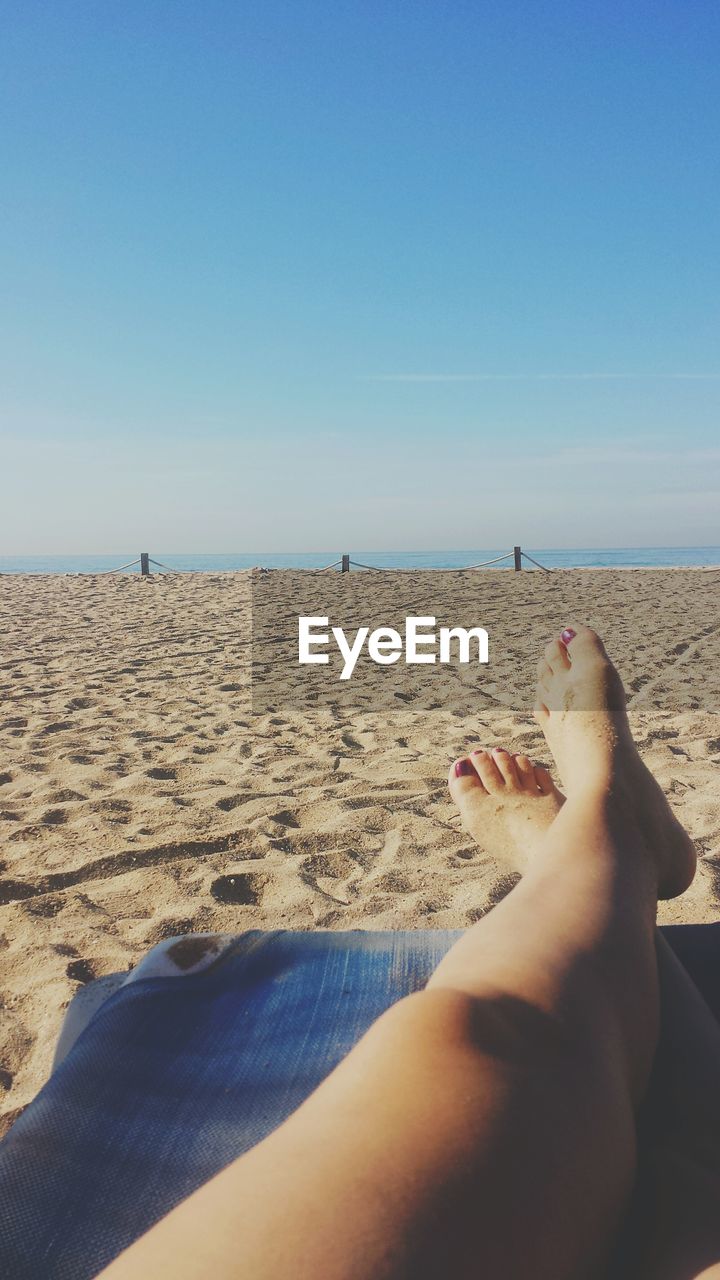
x=224 y=562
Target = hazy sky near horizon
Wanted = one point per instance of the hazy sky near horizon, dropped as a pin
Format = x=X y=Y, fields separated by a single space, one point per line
x=308 y=275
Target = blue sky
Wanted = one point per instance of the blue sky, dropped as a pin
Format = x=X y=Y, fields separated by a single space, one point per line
x=304 y=275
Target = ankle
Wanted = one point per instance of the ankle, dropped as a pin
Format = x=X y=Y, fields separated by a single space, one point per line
x=604 y=822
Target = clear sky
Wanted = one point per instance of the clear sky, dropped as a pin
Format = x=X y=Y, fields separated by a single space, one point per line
x=310 y=274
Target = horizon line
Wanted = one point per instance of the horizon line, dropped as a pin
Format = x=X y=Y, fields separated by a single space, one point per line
x=538 y=377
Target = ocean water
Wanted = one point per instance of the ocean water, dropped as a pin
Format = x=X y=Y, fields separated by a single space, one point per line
x=551 y=558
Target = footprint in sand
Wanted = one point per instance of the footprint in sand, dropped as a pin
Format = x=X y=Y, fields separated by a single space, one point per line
x=81 y=971
x=57 y=727
x=228 y=803
x=46 y=906
x=285 y=818
x=244 y=889
x=54 y=818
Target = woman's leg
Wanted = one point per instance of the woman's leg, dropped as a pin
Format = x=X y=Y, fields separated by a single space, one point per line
x=673 y=1227
x=485 y=1126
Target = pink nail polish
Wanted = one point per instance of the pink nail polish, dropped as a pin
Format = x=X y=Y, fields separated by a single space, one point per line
x=463 y=768
x=567 y=635
x=500 y=750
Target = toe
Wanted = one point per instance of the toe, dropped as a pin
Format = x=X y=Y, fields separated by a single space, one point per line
x=580 y=641
x=526 y=774
x=463 y=779
x=488 y=771
x=505 y=765
x=556 y=656
x=543 y=780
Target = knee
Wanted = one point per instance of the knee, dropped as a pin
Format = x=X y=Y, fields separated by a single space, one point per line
x=492 y=1025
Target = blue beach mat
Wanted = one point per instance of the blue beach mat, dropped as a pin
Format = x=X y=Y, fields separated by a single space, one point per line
x=164 y=1076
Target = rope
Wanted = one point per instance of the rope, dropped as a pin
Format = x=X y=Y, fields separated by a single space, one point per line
x=166 y=567
x=334 y=565
x=372 y=567
x=120 y=567
x=497 y=560
x=535 y=562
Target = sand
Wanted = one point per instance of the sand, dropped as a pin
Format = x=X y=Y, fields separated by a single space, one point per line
x=142 y=796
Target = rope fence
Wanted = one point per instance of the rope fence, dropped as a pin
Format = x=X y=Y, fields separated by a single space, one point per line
x=517 y=555
x=144 y=561
x=345 y=562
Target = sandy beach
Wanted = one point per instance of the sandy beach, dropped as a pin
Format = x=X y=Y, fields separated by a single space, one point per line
x=143 y=796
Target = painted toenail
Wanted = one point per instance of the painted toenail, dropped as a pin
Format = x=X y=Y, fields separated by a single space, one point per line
x=567 y=635
x=479 y=751
x=463 y=768
x=500 y=750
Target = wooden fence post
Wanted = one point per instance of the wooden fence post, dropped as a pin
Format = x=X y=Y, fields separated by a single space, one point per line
x=345 y=564
x=145 y=563
x=517 y=553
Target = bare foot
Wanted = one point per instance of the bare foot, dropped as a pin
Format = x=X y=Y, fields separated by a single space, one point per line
x=506 y=802
x=581 y=710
